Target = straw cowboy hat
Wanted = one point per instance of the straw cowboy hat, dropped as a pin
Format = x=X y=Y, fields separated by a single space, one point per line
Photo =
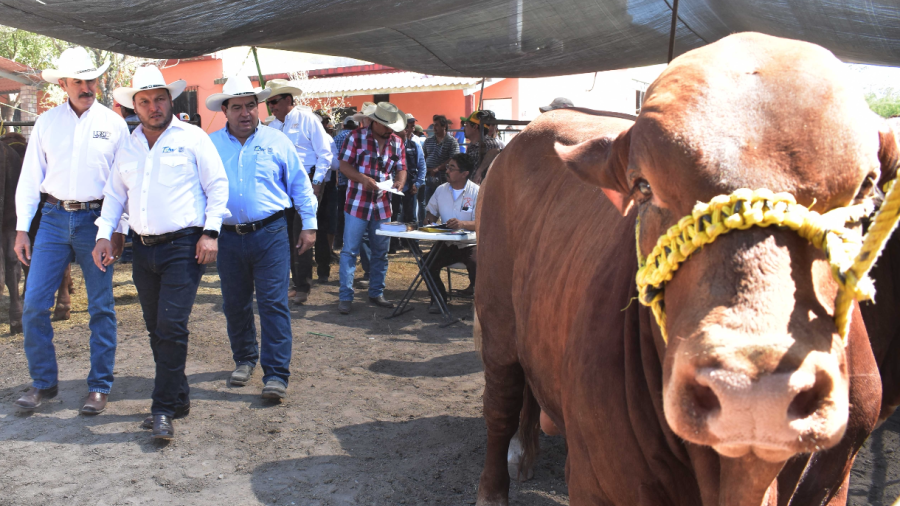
x=147 y=78
x=74 y=63
x=366 y=109
x=235 y=86
x=282 y=87
x=388 y=115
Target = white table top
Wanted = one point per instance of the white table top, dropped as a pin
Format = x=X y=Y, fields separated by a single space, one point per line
x=429 y=236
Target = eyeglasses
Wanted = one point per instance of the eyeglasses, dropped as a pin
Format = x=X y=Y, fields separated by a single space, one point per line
x=273 y=101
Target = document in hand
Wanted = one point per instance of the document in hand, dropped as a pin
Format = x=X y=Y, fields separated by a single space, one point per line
x=388 y=186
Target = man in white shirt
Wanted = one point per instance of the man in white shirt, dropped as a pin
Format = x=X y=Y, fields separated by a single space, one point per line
x=315 y=147
x=68 y=160
x=170 y=177
x=454 y=203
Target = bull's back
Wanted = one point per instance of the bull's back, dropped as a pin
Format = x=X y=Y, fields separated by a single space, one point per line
x=548 y=245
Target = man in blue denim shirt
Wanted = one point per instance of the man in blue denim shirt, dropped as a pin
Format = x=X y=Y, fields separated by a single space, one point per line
x=264 y=174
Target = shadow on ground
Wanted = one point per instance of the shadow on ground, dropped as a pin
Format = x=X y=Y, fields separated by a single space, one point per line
x=433 y=460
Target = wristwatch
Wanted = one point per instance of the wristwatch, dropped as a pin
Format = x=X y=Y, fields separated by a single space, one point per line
x=211 y=233
x=316 y=182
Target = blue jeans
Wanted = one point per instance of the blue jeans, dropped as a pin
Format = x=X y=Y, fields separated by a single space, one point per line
x=62 y=237
x=354 y=229
x=166 y=277
x=259 y=259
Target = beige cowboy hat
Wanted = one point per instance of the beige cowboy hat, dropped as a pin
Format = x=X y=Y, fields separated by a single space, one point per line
x=365 y=110
x=235 y=86
x=282 y=86
x=74 y=63
x=147 y=78
x=389 y=115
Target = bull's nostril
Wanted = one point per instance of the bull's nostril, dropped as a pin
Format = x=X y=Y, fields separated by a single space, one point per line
x=703 y=399
x=810 y=400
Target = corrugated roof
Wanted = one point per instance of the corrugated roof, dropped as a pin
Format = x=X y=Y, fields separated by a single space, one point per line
x=393 y=82
x=10 y=68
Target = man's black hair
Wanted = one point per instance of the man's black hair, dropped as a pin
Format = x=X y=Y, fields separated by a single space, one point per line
x=464 y=163
x=440 y=118
x=225 y=102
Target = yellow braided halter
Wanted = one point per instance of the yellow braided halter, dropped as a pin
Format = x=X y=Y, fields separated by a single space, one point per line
x=850 y=258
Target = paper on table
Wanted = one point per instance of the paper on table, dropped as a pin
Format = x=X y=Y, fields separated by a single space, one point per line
x=388 y=186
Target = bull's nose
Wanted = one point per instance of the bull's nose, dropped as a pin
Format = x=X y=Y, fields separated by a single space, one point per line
x=774 y=415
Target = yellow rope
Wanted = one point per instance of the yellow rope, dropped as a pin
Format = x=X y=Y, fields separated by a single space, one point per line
x=850 y=258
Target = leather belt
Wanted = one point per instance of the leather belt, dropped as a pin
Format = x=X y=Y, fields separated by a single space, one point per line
x=246 y=228
x=153 y=240
x=74 y=205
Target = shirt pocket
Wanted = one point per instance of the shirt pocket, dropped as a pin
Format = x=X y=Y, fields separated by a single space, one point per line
x=174 y=171
x=266 y=168
x=128 y=172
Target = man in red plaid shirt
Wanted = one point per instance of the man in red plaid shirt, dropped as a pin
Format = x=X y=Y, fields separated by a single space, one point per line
x=370 y=156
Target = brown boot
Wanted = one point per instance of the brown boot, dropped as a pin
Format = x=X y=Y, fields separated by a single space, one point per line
x=35 y=396
x=95 y=404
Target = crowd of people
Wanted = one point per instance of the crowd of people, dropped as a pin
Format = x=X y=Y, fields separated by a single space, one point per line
x=265 y=202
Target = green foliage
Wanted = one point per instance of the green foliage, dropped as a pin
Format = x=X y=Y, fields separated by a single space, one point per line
x=886 y=105
x=36 y=51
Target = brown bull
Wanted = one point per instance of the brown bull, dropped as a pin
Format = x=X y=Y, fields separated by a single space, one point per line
x=755 y=399
x=12 y=152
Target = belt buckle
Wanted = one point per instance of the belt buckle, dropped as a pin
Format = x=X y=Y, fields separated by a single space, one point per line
x=239 y=230
x=67 y=203
x=145 y=242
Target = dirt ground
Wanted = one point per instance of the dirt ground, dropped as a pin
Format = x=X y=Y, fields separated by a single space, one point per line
x=378 y=412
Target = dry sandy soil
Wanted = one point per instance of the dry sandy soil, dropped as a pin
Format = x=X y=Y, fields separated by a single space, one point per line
x=378 y=412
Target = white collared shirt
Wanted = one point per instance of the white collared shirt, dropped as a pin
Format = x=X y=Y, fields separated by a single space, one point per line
x=68 y=157
x=177 y=184
x=314 y=145
x=445 y=207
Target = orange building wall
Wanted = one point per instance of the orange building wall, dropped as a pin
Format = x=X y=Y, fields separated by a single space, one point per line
x=507 y=88
x=202 y=74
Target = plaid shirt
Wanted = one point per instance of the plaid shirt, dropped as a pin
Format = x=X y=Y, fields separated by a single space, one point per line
x=361 y=151
x=476 y=153
x=339 y=140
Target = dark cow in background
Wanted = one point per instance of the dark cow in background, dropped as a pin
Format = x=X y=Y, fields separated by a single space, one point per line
x=12 y=152
x=755 y=399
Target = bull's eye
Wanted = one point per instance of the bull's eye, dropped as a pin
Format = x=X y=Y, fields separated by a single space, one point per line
x=644 y=187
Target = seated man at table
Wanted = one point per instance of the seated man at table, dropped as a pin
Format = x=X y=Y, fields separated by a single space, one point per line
x=453 y=203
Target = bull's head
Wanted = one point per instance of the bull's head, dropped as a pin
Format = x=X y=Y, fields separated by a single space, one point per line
x=754 y=366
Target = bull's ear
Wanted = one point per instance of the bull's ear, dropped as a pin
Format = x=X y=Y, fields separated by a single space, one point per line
x=602 y=162
x=889 y=151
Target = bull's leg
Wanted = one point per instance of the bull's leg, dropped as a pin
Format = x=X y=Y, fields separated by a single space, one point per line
x=503 y=388
x=63 y=309
x=13 y=276
x=514 y=457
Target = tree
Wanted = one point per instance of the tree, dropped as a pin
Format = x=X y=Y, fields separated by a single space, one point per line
x=885 y=105
x=40 y=52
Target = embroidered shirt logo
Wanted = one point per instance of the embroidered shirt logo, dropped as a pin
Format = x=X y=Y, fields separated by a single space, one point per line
x=167 y=149
x=269 y=150
x=258 y=149
x=181 y=149
x=100 y=134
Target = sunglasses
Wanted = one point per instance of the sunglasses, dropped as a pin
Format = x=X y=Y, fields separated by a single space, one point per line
x=274 y=101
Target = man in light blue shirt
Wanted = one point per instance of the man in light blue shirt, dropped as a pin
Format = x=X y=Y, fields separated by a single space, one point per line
x=264 y=174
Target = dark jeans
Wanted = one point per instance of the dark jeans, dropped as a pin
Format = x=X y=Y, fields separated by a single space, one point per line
x=257 y=260
x=424 y=195
x=404 y=208
x=450 y=255
x=364 y=249
x=166 y=277
x=302 y=275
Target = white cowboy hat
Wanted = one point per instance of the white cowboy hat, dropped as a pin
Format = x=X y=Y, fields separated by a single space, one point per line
x=147 y=78
x=282 y=86
x=235 y=86
x=388 y=115
x=74 y=63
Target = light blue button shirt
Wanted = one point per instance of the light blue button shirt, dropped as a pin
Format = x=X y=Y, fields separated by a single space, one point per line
x=264 y=175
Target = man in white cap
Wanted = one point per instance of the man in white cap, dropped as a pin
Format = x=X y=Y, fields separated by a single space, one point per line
x=171 y=179
x=69 y=157
x=371 y=155
x=264 y=176
x=314 y=146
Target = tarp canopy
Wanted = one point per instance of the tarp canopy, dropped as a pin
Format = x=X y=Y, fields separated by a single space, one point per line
x=479 y=38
